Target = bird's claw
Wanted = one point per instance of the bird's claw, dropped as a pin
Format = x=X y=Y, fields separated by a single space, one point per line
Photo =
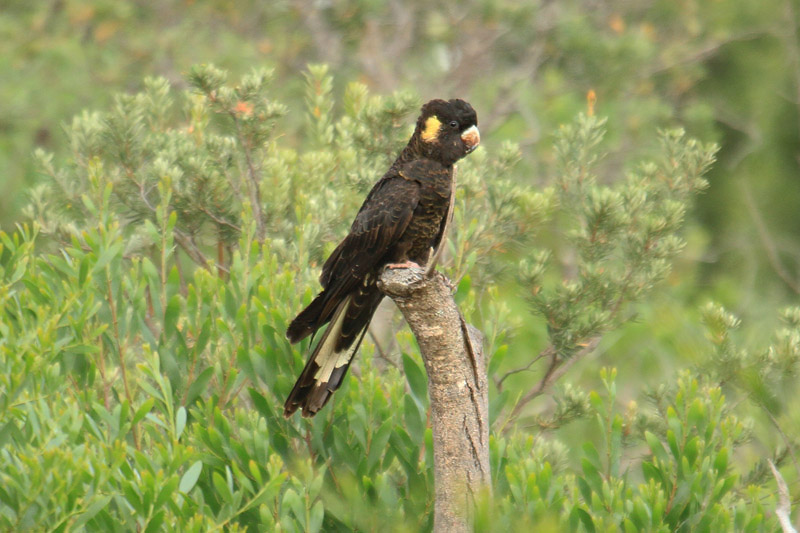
x=405 y=264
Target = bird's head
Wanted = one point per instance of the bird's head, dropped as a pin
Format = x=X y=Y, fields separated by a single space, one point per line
x=447 y=130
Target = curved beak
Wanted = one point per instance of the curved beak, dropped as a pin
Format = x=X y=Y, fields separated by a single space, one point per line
x=471 y=138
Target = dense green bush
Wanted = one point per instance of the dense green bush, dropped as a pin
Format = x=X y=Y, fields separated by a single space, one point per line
x=142 y=311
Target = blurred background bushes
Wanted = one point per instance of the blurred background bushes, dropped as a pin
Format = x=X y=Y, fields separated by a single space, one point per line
x=727 y=71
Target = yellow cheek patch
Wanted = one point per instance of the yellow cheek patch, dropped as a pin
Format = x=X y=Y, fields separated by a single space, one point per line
x=431 y=131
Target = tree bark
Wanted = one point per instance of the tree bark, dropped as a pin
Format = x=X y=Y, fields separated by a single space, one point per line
x=457 y=386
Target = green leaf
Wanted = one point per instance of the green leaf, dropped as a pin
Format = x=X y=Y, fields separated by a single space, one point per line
x=242 y=480
x=377 y=447
x=651 y=472
x=292 y=500
x=413 y=419
x=19 y=271
x=180 y=421
x=221 y=486
x=230 y=303
x=463 y=288
x=166 y=492
x=691 y=449
x=172 y=313
x=83 y=270
x=90 y=511
x=586 y=519
x=143 y=410
x=317 y=514
x=107 y=255
x=615 y=445
x=592 y=476
x=416 y=379
x=155 y=522
x=721 y=460
x=656 y=447
x=152 y=231
x=190 y=477
x=586 y=490
x=10 y=433
x=132 y=497
x=697 y=414
x=202 y=339
x=260 y=403
x=497 y=359
x=590 y=453
x=199 y=385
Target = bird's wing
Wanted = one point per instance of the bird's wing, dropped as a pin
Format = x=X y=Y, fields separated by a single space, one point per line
x=379 y=224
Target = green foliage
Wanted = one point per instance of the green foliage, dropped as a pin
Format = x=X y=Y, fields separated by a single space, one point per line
x=143 y=364
x=622 y=237
x=725 y=70
x=685 y=481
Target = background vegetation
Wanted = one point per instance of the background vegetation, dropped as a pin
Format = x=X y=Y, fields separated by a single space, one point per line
x=158 y=243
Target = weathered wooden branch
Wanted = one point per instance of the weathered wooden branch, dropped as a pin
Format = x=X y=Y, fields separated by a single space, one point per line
x=458 y=390
x=784 y=509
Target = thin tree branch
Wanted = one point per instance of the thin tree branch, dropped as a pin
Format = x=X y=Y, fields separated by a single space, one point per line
x=190 y=248
x=379 y=349
x=703 y=53
x=558 y=367
x=218 y=220
x=499 y=382
x=789 y=445
x=793 y=50
x=253 y=180
x=112 y=305
x=767 y=242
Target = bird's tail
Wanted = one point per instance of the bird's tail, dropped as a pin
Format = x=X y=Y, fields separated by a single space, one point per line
x=328 y=363
x=309 y=319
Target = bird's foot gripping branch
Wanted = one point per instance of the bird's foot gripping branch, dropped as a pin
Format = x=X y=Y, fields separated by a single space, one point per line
x=459 y=398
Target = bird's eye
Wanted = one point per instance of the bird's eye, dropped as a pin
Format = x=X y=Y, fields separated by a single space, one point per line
x=453 y=124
